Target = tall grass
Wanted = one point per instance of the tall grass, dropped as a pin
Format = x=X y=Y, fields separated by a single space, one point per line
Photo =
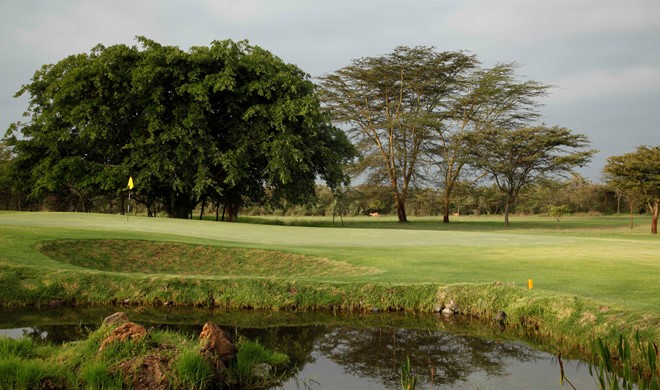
x=26 y=364
x=408 y=380
x=255 y=365
x=27 y=374
x=192 y=371
x=627 y=365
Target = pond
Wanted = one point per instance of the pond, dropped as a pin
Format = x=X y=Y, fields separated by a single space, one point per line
x=340 y=351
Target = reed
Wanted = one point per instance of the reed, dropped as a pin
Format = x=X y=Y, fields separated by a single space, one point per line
x=627 y=365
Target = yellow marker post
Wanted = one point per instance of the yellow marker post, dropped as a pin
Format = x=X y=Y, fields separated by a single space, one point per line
x=130 y=187
x=530 y=284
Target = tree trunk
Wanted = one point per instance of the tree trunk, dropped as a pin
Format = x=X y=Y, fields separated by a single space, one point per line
x=181 y=212
x=232 y=212
x=445 y=215
x=654 y=219
x=401 y=209
x=506 y=213
x=122 y=205
x=632 y=222
x=178 y=207
x=201 y=213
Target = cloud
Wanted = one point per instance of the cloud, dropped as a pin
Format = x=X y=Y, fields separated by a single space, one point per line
x=524 y=21
x=635 y=81
x=78 y=26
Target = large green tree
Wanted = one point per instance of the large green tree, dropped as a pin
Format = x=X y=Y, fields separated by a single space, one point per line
x=79 y=113
x=224 y=122
x=6 y=191
x=515 y=158
x=638 y=174
x=392 y=105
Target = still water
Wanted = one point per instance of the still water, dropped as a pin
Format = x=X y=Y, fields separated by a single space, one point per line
x=329 y=351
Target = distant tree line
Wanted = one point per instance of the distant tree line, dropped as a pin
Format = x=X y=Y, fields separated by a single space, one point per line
x=577 y=194
x=231 y=127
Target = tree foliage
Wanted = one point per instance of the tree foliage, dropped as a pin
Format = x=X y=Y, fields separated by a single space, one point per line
x=638 y=174
x=392 y=105
x=492 y=97
x=409 y=113
x=220 y=123
x=516 y=157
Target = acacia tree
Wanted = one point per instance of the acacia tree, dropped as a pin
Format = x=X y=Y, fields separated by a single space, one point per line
x=391 y=105
x=638 y=172
x=487 y=98
x=515 y=158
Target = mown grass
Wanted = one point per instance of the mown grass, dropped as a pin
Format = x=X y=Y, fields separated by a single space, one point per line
x=593 y=276
x=138 y=256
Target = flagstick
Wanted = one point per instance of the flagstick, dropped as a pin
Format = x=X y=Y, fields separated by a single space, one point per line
x=130 y=187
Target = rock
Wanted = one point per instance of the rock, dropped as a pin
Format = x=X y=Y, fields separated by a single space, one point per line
x=447 y=312
x=56 y=303
x=217 y=343
x=145 y=374
x=262 y=370
x=500 y=318
x=115 y=319
x=127 y=331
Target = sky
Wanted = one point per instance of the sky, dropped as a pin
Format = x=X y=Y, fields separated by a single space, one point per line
x=601 y=56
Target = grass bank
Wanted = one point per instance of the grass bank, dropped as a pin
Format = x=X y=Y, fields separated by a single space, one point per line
x=157 y=359
x=593 y=277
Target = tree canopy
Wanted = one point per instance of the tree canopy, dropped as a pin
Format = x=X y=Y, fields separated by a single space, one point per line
x=516 y=157
x=408 y=112
x=224 y=123
x=638 y=174
x=392 y=104
x=492 y=97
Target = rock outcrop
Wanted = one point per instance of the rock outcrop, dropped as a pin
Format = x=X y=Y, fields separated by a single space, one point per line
x=150 y=371
x=217 y=343
x=127 y=331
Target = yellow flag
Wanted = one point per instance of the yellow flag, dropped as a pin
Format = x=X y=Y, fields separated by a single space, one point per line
x=130 y=183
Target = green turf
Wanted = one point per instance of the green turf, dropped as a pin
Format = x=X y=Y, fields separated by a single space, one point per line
x=593 y=257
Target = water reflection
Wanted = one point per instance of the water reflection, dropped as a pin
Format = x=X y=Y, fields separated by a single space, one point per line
x=329 y=351
x=438 y=357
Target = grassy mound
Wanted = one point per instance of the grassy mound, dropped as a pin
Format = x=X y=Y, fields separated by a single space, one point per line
x=161 y=359
x=150 y=257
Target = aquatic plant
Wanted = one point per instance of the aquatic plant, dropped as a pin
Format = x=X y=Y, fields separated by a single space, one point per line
x=408 y=380
x=613 y=368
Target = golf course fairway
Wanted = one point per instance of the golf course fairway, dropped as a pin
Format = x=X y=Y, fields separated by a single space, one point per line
x=590 y=277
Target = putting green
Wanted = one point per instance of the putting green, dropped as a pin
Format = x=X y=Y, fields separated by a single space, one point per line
x=278 y=235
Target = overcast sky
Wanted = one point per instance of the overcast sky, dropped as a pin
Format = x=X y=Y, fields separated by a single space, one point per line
x=603 y=56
